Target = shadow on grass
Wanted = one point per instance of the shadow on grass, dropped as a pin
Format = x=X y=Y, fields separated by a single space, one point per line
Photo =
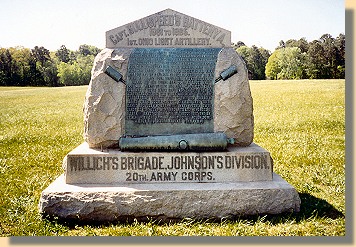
x=311 y=207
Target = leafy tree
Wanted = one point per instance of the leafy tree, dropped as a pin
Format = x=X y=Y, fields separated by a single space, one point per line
x=238 y=44
x=326 y=57
x=291 y=63
x=76 y=73
x=78 y=70
x=315 y=60
x=86 y=64
x=281 y=45
x=68 y=74
x=40 y=54
x=290 y=43
x=330 y=53
x=273 y=65
x=255 y=59
x=49 y=73
x=86 y=50
x=243 y=51
x=340 y=45
x=63 y=54
x=7 y=67
x=302 y=44
x=36 y=78
x=286 y=63
x=258 y=63
x=265 y=55
x=21 y=66
x=40 y=57
x=22 y=58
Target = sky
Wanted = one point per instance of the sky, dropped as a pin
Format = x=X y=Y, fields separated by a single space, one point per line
x=52 y=23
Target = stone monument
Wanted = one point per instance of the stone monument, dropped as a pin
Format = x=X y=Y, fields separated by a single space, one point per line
x=168 y=130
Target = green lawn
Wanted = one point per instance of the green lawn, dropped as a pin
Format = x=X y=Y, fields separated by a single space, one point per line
x=302 y=124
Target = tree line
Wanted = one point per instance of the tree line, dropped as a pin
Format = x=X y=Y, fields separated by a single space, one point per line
x=296 y=59
x=20 y=66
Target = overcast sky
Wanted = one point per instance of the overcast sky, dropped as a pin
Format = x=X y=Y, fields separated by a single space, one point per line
x=71 y=23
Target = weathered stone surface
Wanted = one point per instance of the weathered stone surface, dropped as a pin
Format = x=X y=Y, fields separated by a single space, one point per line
x=233 y=108
x=89 y=166
x=99 y=202
x=104 y=108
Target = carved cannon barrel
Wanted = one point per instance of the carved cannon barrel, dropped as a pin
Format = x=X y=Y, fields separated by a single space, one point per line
x=228 y=72
x=185 y=142
x=114 y=74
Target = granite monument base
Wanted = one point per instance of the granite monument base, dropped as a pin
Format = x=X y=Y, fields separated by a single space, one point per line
x=180 y=196
x=111 y=202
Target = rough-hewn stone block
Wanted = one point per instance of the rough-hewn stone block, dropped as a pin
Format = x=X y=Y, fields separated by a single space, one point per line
x=102 y=202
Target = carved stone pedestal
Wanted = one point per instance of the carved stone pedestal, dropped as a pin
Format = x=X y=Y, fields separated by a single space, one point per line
x=112 y=185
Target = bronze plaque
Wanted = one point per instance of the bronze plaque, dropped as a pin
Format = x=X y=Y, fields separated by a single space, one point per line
x=170 y=91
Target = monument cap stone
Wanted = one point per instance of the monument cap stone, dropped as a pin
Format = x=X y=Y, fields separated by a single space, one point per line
x=168 y=28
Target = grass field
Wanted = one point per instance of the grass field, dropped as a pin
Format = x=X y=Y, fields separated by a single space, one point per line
x=302 y=124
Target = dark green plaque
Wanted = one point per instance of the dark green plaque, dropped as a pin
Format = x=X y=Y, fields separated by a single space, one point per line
x=170 y=91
